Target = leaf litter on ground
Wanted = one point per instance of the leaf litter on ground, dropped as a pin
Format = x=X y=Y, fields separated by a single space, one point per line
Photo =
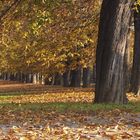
x=20 y=120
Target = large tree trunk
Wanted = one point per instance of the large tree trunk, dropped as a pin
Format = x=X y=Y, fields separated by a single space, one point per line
x=111 y=48
x=128 y=63
x=135 y=76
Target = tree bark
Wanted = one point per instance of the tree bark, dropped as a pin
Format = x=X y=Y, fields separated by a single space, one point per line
x=127 y=63
x=111 y=48
x=135 y=76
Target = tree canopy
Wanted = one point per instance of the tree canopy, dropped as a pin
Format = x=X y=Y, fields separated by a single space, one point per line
x=44 y=35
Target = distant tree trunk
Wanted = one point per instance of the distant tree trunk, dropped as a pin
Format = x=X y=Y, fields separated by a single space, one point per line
x=76 y=78
x=57 y=79
x=135 y=76
x=66 y=78
x=28 y=78
x=20 y=76
x=34 y=78
x=31 y=78
x=0 y=75
x=11 y=76
x=38 y=78
x=16 y=77
x=8 y=76
x=23 y=77
x=5 y=76
x=111 y=49
x=86 y=77
x=48 y=81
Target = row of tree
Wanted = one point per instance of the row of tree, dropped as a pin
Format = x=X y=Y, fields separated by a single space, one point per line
x=59 y=38
x=74 y=78
x=49 y=37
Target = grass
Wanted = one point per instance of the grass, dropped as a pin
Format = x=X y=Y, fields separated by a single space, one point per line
x=66 y=101
x=67 y=112
x=71 y=107
x=65 y=108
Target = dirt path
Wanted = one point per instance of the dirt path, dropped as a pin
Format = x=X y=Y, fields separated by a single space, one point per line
x=12 y=86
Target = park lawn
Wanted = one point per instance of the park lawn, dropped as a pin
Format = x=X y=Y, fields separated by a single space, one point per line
x=67 y=114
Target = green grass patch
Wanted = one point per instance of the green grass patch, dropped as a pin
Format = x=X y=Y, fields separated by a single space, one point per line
x=5 y=97
x=70 y=107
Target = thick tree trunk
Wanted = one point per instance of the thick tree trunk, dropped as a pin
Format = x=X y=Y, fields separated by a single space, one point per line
x=86 y=77
x=111 y=48
x=75 y=78
x=135 y=76
x=127 y=63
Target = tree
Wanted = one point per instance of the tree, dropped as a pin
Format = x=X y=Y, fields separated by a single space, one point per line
x=135 y=76
x=111 y=48
x=46 y=35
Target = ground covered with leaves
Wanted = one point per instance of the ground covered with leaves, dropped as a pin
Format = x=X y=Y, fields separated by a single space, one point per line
x=55 y=113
